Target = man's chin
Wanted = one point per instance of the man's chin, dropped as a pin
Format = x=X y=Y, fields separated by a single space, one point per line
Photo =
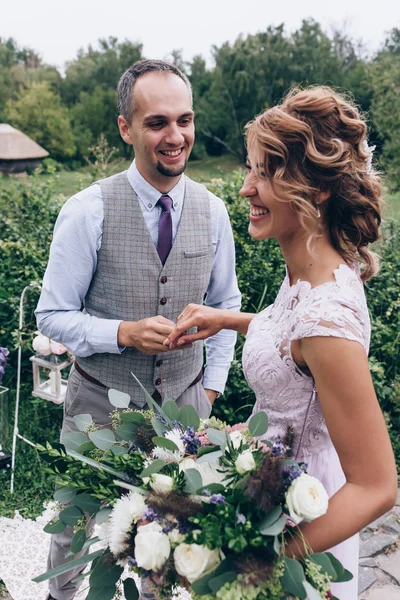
x=172 y=171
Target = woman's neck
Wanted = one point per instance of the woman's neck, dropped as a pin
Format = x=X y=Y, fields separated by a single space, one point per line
x=315 y=264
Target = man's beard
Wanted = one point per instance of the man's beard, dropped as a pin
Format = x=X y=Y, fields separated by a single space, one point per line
x=171 y=172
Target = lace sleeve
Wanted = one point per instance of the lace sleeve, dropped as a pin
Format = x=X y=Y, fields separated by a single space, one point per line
x=321 y=315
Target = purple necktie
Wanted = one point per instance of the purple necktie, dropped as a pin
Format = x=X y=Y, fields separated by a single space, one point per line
x=164 y=228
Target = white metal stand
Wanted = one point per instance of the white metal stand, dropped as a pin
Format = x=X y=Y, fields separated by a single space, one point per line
x=16 y=434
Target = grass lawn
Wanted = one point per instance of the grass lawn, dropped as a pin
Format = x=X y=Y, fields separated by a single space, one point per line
x=70 y=182
x=392 y=209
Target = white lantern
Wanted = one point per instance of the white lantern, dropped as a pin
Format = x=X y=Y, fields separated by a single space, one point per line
x=48 y=382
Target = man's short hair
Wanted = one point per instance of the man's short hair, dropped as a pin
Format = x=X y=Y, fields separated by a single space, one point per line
x=131 y=75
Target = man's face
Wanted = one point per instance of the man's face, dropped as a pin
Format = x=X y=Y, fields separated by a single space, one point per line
x=162 y=128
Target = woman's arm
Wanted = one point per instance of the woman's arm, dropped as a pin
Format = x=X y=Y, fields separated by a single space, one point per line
x=208 y=321
x=358 y=432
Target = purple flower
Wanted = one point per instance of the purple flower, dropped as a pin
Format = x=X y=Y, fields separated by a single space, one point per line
x=278 y=448
x=150 y=515
x=240 y=519
x=191 y=441
x=291 y=472
x=218 y=499
x=132 y=562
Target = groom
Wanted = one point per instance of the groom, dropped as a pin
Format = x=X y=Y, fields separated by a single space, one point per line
x=128 y=254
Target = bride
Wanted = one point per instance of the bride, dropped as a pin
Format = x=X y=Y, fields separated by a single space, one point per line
x=310 y=185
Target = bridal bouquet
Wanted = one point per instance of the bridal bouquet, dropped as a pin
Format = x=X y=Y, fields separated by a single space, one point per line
x=186 y=502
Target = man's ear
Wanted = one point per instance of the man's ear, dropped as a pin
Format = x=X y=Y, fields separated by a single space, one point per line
x=124 y=130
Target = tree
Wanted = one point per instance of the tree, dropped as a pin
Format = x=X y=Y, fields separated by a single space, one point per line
x=38 y=112
x=385 y=75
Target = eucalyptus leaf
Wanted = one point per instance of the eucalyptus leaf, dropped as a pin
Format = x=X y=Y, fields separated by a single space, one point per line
x=275 y=528
x=258 y=424
x=162 y=442
x=82 y=421
x=126 y=431
x=54 y=527
x=205 y=450
x=71 y=515
x=293 y=577
x=272 y=516
x=154 y=467
x=74 y=439
x=158 y=427
x=217 y=582
x=217 y=437
x=342 y=574
x=87 y=544
x=105 y=574
x=68 y=566
x=87 y=503
x=118 y=450
x=193 y=480
x=64 y=495
x=81 y=576
x=103 y=438
x=78 y=541
x=210 y=457
x=324 y=562
x=118 y=399
x=86 y=447
x=103 y=593
x=171 y=409
x=213 y=488
x=200 y=586
x=132 y=417
x=189 y=417
x=103 y=515
x=277 y=545
x=130 y=590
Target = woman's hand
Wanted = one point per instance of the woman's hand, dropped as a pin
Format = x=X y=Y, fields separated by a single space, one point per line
x=208 y=321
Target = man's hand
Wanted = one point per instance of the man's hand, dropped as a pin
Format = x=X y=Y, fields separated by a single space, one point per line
x=147 y=335
x=212 y=394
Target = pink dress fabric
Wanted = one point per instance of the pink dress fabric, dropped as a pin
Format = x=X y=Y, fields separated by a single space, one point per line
x=288 y=396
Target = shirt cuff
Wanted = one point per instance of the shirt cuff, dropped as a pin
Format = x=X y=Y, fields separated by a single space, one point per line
x=214 y=378
x=104 y=337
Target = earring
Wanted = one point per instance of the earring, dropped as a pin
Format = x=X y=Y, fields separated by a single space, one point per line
x=318 y=212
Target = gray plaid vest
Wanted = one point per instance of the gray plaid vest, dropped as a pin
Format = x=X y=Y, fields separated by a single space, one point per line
x=130 y=283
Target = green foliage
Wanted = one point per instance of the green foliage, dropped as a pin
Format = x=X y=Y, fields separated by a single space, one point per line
x=385 y=77
x=38 y=112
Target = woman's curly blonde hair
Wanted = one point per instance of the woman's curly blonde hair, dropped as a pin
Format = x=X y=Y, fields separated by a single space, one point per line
x=313 y=142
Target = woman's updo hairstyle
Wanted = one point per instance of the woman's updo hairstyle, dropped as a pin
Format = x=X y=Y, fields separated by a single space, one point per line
x=315 y=141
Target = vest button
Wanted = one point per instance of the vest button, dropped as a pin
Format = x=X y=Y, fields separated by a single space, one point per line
x=158 y=381
x=159 y=363
x=163 y=301
x=163 y=279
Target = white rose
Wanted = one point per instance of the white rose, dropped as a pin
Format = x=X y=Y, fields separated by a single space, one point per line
x=245 y=462
x=306 y=499
x=192 y=561
x=152 y=547
x=161 y=484
x=41 y=345
x=236 y=438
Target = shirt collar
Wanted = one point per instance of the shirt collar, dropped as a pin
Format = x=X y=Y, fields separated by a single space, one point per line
x=149 y=195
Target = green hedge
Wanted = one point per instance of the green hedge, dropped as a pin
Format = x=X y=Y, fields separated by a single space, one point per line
x=28 y=210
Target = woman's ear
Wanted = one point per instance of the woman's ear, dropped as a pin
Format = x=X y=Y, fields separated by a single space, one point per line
x=323 y=196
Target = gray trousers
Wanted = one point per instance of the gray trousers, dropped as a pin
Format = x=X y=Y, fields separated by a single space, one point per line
x=83 y=396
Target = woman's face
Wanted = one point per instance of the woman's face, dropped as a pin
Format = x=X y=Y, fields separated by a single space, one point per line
x=270 y=215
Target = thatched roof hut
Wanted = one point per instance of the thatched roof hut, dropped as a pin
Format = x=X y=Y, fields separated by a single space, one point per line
x=17 y=151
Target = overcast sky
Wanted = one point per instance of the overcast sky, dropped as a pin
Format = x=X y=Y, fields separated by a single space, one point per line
x=56 y=30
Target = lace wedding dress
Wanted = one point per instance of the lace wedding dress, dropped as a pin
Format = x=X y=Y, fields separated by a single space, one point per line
x=288 y=395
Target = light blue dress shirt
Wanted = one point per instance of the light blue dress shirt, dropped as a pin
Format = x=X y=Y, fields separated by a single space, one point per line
x=73 y=262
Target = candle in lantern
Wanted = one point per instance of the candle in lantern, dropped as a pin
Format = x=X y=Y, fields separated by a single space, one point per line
x=52 y=382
